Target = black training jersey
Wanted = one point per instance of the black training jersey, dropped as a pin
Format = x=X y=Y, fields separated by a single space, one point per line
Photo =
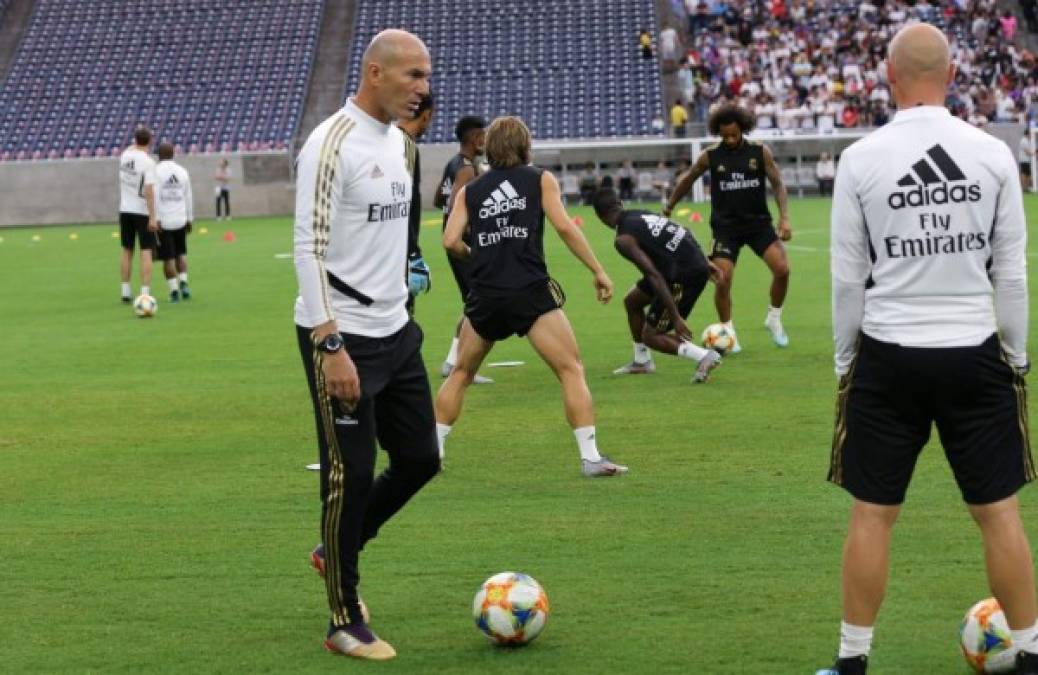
x=738 y=195
x=450 y=172
x=669 y=245
x=506 y=223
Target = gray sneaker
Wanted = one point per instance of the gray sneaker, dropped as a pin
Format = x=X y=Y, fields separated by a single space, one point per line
x=603 y=467
x=446 y=368
x=635 y=368
x=708 y=363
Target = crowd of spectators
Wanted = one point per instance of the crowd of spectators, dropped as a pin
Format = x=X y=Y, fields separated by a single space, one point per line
x=817 y=65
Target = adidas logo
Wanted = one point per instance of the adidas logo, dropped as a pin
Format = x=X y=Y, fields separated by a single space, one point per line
x=503 y=199
x=929 y=183
x=377 y=172
x=173 y=180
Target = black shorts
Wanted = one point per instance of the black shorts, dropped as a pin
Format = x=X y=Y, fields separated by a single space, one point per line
x=892 y=395
x=134 y=226
x=727 y=243
x=1025 y=168
x=496 y=317
x=172 y=243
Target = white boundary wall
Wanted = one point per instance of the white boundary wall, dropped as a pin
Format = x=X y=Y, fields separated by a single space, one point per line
x=86 y=190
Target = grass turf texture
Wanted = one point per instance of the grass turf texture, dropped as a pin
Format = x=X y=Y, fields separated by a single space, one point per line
x=155 y=514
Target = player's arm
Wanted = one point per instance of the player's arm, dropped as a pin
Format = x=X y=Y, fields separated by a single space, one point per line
x=686 y=181
x=149 y=198
x=628 y=247
x=457 y=221
x=781 y=196
x=464 y=175
x=849 y=263
x=572 y=235
x=189 y=204
x=439 y=199
x=1009 y=267
x=310 y=246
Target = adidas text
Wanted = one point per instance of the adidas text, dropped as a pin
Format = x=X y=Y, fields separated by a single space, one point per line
x=498 y=208
x=942 y=193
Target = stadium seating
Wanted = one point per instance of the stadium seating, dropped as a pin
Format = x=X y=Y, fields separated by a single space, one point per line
x=568 y=69
x=207 y=76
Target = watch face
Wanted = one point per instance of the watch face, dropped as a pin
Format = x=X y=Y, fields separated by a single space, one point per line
x=332 y=343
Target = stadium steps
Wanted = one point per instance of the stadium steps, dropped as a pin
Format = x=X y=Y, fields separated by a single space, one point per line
x=324 y=96
x=669 y=83
x=12 y=26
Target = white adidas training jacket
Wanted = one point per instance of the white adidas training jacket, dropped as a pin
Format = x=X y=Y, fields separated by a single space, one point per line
x=928 y=244
x=353 y=196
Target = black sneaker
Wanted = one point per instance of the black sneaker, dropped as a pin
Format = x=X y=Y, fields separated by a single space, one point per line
x=1026 y=663
x=185 y=292
x=127 y=299
x=174 y=296
x=853 y=665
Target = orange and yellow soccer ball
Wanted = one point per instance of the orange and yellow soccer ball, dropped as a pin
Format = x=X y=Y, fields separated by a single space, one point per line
x=986 y=640
x=717 y=337
x=510 y=608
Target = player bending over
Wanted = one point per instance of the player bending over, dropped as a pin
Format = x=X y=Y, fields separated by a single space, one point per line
x=674 y=273
x=739 y=213
x=511 y=292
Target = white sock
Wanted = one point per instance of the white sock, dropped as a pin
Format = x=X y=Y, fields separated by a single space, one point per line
x=854 y=640
x=728 y=326
x=586 y=443
x=689 y=350
x=1026 y=640
x=173 y=285
x=183 y=277
x=641 y=353
x=441 y=435
x=145 y=290
x=774 y=312
x=452 y=355
x=126 y=290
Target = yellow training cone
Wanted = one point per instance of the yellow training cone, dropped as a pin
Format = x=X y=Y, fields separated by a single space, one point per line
x=73 y=236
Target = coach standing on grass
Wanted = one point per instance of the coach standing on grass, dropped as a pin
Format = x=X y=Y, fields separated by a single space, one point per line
x=930 y=319
x=360 y=349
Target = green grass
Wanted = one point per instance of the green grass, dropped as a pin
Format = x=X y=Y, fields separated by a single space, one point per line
x=155 y=514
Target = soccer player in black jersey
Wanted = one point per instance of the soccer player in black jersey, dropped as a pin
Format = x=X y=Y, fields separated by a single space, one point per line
x=511 y=292
x=674 y=273
x=463 y=167
x=419 y=279
x=739 y=213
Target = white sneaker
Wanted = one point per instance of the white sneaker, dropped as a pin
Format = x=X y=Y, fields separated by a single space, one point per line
x=778 y=333
x=706 y=364
x=603 y=467
x=736 y=346
x=635 y=368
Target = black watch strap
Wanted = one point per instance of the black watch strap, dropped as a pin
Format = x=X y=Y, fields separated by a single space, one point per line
x=331 y=343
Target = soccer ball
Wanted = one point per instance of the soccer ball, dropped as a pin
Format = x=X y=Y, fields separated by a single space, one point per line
x=510 y=608
x=986 y=640
x=717 y=337
x=145 y=306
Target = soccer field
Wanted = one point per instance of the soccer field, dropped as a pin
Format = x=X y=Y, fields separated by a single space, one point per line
x=156 y=516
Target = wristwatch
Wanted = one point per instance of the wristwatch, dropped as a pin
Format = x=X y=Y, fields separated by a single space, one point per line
x=331 y=344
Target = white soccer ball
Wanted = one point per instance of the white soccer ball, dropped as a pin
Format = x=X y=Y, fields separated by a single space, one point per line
x=717 y=337
x=985 y=638
x=145 y=306
x=510 y=608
